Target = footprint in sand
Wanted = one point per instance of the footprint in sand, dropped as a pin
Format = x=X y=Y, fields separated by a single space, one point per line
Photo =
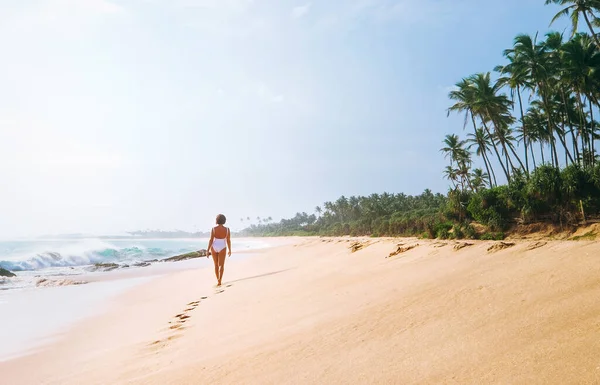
x=159 y=344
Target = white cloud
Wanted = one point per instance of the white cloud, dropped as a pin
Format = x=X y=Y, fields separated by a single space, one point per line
x=301 y=11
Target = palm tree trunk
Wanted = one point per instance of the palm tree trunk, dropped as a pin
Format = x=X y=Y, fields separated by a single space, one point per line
x=582 y=128
x=593 y=149
x=542 y=151
x=587 y=20
x=495 y=149
x=553 y=144
x=487 y=168
x=492 y=170
x=567 y=152
x=553 y=153
x=532 y=155
x=570 y=124
x=485 y=160
x=523 y=127
x=512 y=149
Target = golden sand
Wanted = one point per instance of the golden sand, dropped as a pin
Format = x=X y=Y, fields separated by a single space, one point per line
x=348 y=311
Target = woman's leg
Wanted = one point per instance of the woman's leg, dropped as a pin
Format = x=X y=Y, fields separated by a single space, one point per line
x=222 y=254
x=215 y=256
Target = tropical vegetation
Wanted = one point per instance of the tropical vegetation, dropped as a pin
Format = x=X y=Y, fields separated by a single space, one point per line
x=529 y=151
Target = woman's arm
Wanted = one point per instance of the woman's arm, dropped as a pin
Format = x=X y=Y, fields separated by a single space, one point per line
x=210 y=241
x=229 y=242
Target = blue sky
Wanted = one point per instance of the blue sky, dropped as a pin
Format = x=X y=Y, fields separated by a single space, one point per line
x=125 y=114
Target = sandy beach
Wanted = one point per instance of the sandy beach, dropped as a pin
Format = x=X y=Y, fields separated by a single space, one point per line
x=320 y=311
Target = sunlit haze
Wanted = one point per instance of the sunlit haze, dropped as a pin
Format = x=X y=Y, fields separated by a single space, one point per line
x=119 y=115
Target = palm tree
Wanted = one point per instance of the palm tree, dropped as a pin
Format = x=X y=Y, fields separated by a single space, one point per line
x=454 y=148
x=578 y=8
x=452 y=175
x=482 y=143
x=582 y=61
x=534 y=59
x=478 y=178
x=493 y=108
x=458 y=155
x=465 y=96
x=516 y=79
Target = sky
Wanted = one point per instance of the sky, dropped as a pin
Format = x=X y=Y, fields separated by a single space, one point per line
x=120 y=115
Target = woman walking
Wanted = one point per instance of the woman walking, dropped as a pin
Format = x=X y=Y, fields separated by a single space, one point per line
x=218 y=245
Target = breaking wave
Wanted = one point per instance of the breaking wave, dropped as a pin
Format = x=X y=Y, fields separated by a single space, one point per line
x=86 y=253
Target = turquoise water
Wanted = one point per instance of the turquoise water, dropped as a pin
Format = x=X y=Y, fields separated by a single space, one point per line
x=35 y=259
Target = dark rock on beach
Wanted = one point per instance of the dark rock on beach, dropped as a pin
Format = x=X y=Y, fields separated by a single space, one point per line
x=142 y=264
x=105 y=266
x=45 y=282
x=183 y=257
x=6 y=273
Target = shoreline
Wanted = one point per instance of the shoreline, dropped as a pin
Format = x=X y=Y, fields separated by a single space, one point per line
x=322 y=310
x=29 y=329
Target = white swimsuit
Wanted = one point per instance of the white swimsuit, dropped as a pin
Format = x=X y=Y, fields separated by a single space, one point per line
x=219 y=243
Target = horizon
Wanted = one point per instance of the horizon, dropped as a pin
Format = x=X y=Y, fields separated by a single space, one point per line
x=132 y=114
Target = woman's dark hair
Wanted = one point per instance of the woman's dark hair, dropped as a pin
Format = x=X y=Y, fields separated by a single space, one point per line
x=221 y=219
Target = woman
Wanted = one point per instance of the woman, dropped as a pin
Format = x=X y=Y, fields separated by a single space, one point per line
x=219 y=243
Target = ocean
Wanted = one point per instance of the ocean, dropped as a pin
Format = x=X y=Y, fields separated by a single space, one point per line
x=35 y=259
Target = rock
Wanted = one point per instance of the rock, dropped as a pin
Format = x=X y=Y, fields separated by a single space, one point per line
x=105 y=266
x=6 y=273
x=141 y=264
x=183 y=257
x=57 y=282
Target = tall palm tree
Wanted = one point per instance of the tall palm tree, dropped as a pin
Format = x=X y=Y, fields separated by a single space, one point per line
x=465 y=96
x=534 y=59
x=514 y=76
x=482 y=142
x=559 y=88
x=494 y=108
x=582 y=62
x=575 y=9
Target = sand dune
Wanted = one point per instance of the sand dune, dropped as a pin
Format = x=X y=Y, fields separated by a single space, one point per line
x=329 y=311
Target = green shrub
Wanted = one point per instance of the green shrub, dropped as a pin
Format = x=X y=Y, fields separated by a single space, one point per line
x=489 y=207
x=493 y=236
